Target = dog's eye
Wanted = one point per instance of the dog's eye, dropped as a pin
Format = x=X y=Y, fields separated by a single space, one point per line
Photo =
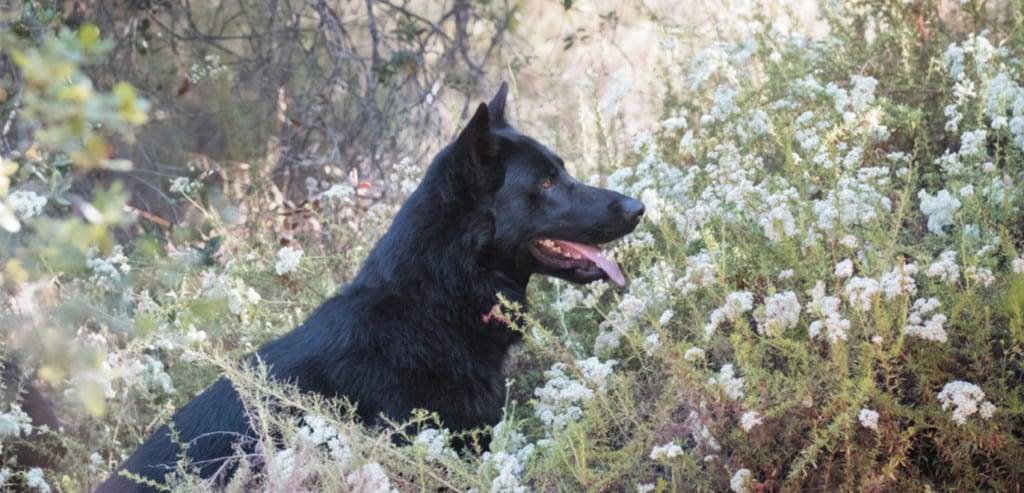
x=547 y=183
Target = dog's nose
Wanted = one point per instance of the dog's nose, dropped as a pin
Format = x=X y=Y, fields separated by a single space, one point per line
x=632 y=209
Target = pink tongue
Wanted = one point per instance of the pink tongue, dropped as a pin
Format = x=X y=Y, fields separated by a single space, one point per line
x=593 y=254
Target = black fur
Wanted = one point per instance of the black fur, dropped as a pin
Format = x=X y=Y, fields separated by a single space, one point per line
x=410 y=332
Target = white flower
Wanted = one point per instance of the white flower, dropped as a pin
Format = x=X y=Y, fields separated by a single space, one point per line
x=288 y=259
x=318 y=432
x=645 y=488
x=931 y=329
x=778 y=223
x=370 y=478
x=1018 y=265
x=338 y=192
x=26 y=203
x=666 y=452
x=282 y=466
x=781 y=312
x=741 y=479
x=435 y=443
x=693 y=354
x=963 y=397
x=945 y=268
x=221 y=286
x=34 y=479
x=750 y=419
x=15 y=423
x=831 y=323
x=844 y=269
x=508 y=467
x=183 y=185
x=559 y=402
x=973 y=143
x=849 y=241
x=652 y=205
x=854 y=203
x=868 y=418
x=736 y=304
x=981 y=275
x=861 y=292
x=939 y=209
x=651 y=343
x=730 y=384
x=987 y=410
x=108 y=271
x=665 y=317
x=899 y=281
x=785 y=274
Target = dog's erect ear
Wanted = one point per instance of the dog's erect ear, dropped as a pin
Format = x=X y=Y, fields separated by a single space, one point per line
x=476 y=140
x=497 y=106
x=479 y=172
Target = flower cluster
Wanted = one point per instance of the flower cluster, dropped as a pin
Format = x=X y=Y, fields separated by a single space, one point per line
x=966 y=399
x=559 y=402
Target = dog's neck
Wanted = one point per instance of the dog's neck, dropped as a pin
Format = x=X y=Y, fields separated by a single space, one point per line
x=433 y=253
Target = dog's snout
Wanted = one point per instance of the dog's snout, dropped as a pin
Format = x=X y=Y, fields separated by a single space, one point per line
x=631 y=209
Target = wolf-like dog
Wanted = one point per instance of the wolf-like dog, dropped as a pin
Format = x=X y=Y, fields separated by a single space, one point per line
x=414 y=329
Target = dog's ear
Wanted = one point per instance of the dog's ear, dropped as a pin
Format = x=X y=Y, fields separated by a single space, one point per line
x=478 y=172
x=476 y=140
x=497 y=106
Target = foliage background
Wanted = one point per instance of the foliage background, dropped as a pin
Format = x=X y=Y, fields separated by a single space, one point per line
x=182 y=181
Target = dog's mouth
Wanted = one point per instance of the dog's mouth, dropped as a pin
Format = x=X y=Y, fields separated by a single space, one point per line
x=585 y=262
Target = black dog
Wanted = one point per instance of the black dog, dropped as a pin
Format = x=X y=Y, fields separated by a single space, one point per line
x=414 y=328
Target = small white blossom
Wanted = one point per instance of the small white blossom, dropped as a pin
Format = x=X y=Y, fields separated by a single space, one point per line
x=939 y=209
x=741 y=481
x=844 y=269
x=288 y=259
x=435 y=443
x=868 y=418
x=559 y=402
x=1018 y=265
x=34 y=479
x=780 y=312
x=930 y=329
x=183 y=185
x=665 y=317
x=831 y=324
x=508 y=468
x=987 y=410
x=750 y=419
x=945 y=268
x=26 y=203
x=666 y=452
x=15 y=423
x=861 y=292
x=730 y=384
x=849 y=241
x=693 y=354
x=370 y=478
x=652 y=343
x=981 y=275
x=736 y=304
x=899 y=281
x=963 y=397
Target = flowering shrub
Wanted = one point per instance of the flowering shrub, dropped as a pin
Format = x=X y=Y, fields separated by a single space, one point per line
x=827 y=290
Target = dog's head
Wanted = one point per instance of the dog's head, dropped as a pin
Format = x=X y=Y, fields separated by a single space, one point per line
x=545 y=221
